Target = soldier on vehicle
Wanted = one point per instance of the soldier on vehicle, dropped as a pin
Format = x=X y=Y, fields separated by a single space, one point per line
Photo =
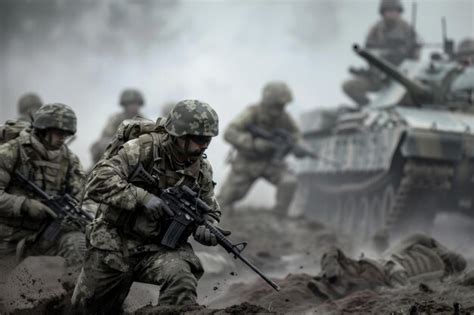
x=125 y=238
x=28 y=104
x=393 y=39
x=39 y=153
x=465 y=51
x=255 y=156
x=132 y=101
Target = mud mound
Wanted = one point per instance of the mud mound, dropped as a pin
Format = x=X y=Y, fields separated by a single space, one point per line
x=244 y=308
x=294 y=296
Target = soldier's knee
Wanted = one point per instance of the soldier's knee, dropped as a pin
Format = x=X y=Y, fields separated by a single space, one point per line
x=178 y=284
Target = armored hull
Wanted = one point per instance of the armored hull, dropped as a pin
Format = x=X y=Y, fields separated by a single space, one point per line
x=399 y=161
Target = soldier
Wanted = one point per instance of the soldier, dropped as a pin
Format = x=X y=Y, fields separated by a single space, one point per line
x=414 y=259
x=394 y=40
x=465 y=51
x=125 y=236
x=28 y=104
x=39 y=153
x=131 y=100
x=254 y=158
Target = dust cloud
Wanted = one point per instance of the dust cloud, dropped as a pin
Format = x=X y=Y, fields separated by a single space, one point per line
x=83 y=53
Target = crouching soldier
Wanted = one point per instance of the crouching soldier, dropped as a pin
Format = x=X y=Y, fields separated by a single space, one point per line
x=125 y=238
x=40 y=155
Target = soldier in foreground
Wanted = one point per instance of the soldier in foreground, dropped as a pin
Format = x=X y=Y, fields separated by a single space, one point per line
x=416 y=258
x=126 y=236
x=257 y=157
x=41 y=156
x=132 y=101
x=394 y=40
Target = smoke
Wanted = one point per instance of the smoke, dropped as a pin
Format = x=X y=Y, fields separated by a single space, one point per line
x=83 y=53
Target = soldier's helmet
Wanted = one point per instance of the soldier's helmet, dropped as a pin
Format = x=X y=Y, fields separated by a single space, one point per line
x=386 y=5
x=276 y=92
x=131 y=96
x=55 y=116
x=465 y=48
x=194 y=118
x=29 y=103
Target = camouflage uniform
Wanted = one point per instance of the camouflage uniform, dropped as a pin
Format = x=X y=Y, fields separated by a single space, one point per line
x=124 y=242
x=465 y=51
x=416 y=258
x=396 y=41
x=253 y=161
x=56 y=172
x=128 y=96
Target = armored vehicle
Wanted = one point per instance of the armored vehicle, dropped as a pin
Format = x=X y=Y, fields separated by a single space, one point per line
x=401 y=159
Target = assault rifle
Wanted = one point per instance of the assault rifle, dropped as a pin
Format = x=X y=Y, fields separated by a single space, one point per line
x=284 y=144
x=189 y=213
x=64 y=207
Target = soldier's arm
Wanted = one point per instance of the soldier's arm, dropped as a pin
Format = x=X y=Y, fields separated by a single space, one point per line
x=237 y=134
x=207 y=191
x=109 y=181
x=10 y=205
x=75 y=177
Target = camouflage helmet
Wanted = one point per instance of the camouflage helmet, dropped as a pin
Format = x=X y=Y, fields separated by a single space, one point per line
x=390 y=5
x=276 y=92
x=465 y=47
x=55 y=116
x=29 y=103
x=131 y=96
x=192 y=117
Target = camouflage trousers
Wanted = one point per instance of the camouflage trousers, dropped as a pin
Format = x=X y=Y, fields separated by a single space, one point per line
x=358 y=87
x=70 y=246
x=245 y=172
x=106 y=278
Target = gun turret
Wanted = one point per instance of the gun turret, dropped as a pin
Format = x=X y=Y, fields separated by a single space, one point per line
x=419 y=92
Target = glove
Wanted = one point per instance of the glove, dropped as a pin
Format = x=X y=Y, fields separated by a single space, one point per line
x=156 y=208
x=263 y=146
x=36 y=209
x=204 y=236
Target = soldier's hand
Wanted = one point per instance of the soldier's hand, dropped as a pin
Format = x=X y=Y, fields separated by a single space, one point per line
x=36 y=209
x=156 y=208
x=204 y=236
x=263 y=146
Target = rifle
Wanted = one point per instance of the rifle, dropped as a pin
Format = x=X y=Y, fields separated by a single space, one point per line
x=64 y=207
x=284 y=144
x=189 y=212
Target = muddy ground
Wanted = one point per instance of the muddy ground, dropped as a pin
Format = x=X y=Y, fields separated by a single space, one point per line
x=286 y=250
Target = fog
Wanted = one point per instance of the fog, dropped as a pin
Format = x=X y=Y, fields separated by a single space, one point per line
x=83 y=53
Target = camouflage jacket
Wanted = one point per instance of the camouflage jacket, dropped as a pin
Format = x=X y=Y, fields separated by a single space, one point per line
x=56 y=176
x=397 y=42
x=243 y=141
x=108 y=133
x=120 y=219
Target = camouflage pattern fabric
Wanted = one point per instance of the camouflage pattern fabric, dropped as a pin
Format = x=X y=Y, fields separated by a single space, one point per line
x=98 y=148
x=250 y=163
x=192 y=117
x=55 y=116
x=57 y=173
x=107 y=276
x=123 y=240
x=414 y=259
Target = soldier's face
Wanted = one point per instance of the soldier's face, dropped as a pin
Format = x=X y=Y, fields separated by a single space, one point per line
x=132 y=109
x=391 y=15
x=55 y=139
x=194 y=146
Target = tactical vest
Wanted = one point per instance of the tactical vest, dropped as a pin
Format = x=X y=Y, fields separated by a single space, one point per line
x=134 y=224
x=49 y=176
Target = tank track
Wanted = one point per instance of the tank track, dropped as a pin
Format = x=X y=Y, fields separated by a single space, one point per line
x=377 y=201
